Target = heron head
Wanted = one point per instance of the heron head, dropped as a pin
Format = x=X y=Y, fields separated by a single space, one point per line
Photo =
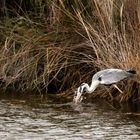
x=82 y=88
x=78 y=93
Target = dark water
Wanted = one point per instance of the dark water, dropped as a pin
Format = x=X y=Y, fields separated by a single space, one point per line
x=33 y=117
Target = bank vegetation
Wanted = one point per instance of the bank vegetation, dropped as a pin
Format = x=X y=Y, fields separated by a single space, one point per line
x=53 y=46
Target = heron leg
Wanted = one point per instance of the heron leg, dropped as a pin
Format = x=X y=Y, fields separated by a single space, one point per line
x=118 y=88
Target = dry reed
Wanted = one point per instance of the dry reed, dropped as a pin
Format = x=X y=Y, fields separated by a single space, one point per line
x=61 y=44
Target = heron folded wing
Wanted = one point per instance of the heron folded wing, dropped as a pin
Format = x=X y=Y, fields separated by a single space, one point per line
x=113 y=77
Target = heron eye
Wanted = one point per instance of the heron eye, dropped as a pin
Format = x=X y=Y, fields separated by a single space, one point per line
x=100 y=79
x=84 y=89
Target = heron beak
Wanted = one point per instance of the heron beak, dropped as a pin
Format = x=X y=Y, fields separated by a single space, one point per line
x=77 y=97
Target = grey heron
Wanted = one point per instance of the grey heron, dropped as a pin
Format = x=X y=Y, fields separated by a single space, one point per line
x=105 y=77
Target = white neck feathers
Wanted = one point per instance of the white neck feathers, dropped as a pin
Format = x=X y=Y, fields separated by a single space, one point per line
x=93 y=86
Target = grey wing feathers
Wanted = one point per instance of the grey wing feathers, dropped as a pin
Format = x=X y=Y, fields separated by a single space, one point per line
x=110 y=76
x=98 y=74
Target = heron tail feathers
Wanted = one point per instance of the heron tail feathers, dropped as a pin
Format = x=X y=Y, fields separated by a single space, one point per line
x=131 y=71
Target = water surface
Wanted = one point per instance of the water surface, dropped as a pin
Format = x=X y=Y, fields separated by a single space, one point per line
x=33 y=117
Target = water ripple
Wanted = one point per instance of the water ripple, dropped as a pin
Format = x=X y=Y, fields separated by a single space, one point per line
x=46 y=120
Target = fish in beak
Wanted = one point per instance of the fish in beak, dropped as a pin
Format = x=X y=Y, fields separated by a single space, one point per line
x=77 y=97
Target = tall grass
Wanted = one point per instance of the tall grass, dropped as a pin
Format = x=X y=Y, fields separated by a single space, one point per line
x=59 y=44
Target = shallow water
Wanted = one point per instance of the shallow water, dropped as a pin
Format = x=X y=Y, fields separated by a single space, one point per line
x=33 y=117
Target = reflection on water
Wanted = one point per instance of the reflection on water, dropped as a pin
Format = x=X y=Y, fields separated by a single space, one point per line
x=36 y=118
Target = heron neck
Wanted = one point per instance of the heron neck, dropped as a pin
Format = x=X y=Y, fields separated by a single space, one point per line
x=93 y=86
